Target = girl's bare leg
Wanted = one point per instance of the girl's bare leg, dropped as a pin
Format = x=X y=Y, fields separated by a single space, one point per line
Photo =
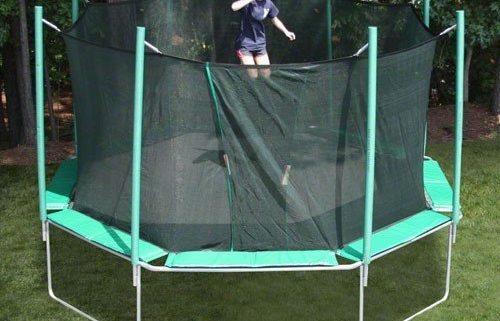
x=248 y=60
x=263 y=60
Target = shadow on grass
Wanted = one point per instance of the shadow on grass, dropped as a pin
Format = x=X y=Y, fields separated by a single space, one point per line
x=99 y=283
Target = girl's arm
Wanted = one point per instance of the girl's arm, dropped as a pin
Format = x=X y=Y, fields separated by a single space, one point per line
x=237 y=5
x=277 y=22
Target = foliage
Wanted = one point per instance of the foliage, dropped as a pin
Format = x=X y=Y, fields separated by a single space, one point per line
x=482 y=32
x=7 y=8
x=58 y=12
x=481 y=17
x=483 y=74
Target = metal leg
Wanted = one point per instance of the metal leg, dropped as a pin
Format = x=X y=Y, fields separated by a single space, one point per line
x=138 y=292
x=448 y=278
x=365 y=275
x=49 y=279
x=44 y=231
x=361 y=293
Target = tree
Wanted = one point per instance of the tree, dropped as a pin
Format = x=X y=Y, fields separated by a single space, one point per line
x=496 y=94
x=3 y=127
x=24 y=77
x=16 y=64
x=9 y=81
x=16 y=61
x=482 y=26
x=12 y=95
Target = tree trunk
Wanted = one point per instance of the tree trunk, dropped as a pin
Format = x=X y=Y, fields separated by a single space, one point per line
x=24 y=78
x=496 y=94
x=3 y=128
x=12 y=95
x=54 y=135
x=468 y=60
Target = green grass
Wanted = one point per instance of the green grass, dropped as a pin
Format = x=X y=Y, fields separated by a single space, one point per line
x=400 y=283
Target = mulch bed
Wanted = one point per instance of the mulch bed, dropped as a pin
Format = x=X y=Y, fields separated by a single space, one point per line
x=479 y=123
x=24 y=155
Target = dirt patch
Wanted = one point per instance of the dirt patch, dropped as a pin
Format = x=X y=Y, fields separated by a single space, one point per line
x=24 y=155
x=479 y=123
x=55 y=152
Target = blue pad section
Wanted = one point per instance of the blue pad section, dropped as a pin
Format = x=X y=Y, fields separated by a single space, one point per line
x=58 y=194
x=212 y=259
x=438 y=191
x=396 y=234
x=104 y=235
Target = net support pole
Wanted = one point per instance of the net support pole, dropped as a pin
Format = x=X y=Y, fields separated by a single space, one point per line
x=329 y=29
x=75 y=13
x=459 y=116
x=75 y=10
x=370 y=152
x=329 y=47
x=39 y=100
x=427 y=12
x=137 y=142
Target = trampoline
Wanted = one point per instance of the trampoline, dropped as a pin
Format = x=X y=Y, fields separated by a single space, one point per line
x=315 y=162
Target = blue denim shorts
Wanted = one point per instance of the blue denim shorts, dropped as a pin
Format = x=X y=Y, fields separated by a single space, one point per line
x=242 y=52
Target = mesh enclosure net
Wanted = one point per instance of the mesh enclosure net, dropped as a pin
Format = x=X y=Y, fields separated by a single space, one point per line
x=249 y=158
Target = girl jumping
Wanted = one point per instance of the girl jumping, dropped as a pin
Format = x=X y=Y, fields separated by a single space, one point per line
x=251 y=42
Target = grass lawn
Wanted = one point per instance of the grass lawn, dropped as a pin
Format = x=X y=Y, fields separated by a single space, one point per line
x=400 y=283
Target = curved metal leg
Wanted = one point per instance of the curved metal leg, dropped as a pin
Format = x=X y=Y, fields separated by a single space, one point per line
x=49 y=279
x=448 y=278
x=138 y=285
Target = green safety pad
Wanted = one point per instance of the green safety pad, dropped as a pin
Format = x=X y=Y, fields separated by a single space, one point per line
x=102 y=234
x=58 y=194
x=396 y=234
x=438 y=191
x=236 y=259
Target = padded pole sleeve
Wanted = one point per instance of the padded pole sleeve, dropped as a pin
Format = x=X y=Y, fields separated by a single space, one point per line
x=371 y=133
x=329 y=46
x=136 y=152
x=427 y=12
x=75 y=13
x=329 y=29
x=459 y=114
x=74 y=10
x=40 y=135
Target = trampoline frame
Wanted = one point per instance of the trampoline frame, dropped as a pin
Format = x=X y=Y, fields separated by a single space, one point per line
x=137 y=271
x=139 y=265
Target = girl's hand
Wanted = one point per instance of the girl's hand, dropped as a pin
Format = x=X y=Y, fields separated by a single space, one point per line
x=277 y=22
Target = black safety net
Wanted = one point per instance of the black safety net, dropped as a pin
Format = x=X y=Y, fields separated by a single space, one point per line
x=249 y=158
